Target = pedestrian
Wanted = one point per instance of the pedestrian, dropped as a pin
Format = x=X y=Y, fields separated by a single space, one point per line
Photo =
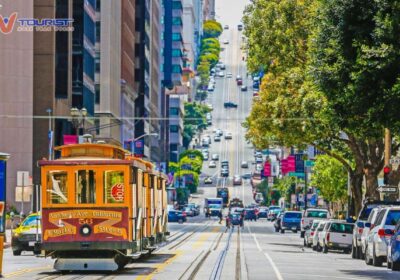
x=228 y=222
x=220 y=216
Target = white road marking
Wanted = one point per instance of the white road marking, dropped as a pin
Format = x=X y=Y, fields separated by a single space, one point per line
x=274 y=267
x=322 y=276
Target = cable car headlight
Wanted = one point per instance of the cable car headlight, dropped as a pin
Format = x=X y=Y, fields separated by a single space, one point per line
x=85 y=230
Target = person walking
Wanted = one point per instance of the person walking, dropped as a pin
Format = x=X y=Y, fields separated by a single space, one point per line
x=220 y=217
x=228 y=222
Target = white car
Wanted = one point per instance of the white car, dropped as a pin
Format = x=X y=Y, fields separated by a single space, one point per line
x=226 y=27
x=215 y=157
x=309 y=234
x=228 y=135
x=336 y=235
x=219 y=132
x=319 y=229
x=365 y=231
x=229 y=75
x=226 y=42
x=379 y=235
x=212 y=164
x=221 y=74
x=309 y=215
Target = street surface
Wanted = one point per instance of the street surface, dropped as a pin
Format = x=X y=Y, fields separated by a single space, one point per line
x=202 y=248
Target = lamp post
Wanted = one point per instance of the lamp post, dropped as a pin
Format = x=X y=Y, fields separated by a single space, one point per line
x=50 y=134
x=78 y=119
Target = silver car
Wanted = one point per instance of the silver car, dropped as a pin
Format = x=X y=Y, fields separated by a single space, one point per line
x=365 y=231
x=379 y=235
x=315 y=240
x=310 y=232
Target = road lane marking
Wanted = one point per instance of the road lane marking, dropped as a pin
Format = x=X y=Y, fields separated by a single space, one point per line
x=322 y=276
x=274 y=267
x=160 y=267
x=23 y=271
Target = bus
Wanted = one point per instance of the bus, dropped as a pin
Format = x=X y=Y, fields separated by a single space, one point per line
x=101 y=207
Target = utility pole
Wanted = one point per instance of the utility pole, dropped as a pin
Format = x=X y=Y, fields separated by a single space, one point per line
x=388 y=146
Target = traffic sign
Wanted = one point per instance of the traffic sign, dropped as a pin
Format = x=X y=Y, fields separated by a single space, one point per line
x=297 y=174
x=388 y=189
x=309 y=163
x=395 y=160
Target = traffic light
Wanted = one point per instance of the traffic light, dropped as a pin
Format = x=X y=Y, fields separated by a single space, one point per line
x=386 y=172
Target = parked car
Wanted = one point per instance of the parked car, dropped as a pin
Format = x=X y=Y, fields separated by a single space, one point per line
x=237 y=180
x=195 y=208
x=393 y=254
x=208 y=180
x=309 y=233
x=215 y=157
x=291 y=221
x=228 y=135
x=24 y=235
x=229 y=104
x=309 y=215
x=176 y=216
x=212 y=164
x=371 y=220
x=315 y=240
x=337 y=235
x=250 y=214
x=244 y=164
x=368 y=205
x=277 y=223
x=379 y=236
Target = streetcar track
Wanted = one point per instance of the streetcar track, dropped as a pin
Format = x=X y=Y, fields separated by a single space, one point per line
x=190 y=235
x=217 y=270
x=238 y=270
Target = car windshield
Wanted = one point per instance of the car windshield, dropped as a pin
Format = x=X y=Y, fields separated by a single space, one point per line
x=321 y=227
x=392 y=218
x=366 y=211
x=292 y=215
x=342 y=228
x=317 y=214
x=214 y=206
x=30 y=221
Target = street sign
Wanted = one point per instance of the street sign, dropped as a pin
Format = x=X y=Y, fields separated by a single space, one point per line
x=395 y=160
x=297 y=174
x=388 y=189
x=309 y=163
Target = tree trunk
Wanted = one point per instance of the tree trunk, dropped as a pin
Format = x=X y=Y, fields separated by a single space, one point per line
x=371 y=177
x=356 y=179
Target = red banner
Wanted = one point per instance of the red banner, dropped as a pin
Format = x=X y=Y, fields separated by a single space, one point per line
x=70 y=139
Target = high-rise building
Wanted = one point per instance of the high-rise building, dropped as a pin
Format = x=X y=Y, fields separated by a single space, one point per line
x=147 y=73
x=109 y=102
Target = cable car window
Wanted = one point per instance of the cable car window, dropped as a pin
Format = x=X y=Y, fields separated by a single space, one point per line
x=85 y=186
x=114 y=188
x=57 y=191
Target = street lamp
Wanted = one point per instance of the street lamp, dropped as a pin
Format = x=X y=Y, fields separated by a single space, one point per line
x=78 y=119
x=140 y=137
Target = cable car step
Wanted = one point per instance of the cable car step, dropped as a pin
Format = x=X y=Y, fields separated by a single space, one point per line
x=85 y=264
x=135 y=255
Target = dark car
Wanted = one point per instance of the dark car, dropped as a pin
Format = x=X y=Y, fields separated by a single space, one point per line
x=250 y=214
x=239 y=82
x=393 y=253
x=235 y=219
x=24 y=236
x=246 y=176
x=176 y=216
x=263 y=213
x=291 y=221
x=230 y=105
x=225 y=173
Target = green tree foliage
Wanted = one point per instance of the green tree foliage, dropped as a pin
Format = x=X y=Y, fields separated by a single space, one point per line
x=194 y=120
x=191 y=154
x=203 y=70
x=330 y=178
x=210 y=45
x=286 y=186
x=212 y=29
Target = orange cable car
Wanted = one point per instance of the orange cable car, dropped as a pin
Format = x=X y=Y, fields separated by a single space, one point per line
x=101 y=207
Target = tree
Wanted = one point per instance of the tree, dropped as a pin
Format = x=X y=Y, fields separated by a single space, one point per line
x=212 y=29
x=191 y=154
x=330 y=178
x=194 y=120
x=203 y=70
x=308 y=94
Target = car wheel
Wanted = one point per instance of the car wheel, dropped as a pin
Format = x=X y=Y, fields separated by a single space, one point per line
x=353 y=252
x=17 y=252
x=302 y=234
x=367 y=259
x=396 y=266
x=389 y=264
x=276 y=229
x=282 y=231
x=314 y=248
x=347 y=251
x=325 y=249
x=305 y=243
x=180 y=221
x=376 y=261
x=295 y=231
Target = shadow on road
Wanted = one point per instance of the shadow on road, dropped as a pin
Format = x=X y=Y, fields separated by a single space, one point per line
x=372 y=274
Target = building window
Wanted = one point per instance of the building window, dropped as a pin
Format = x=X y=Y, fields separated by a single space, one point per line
x=176 y=53
x=97 y=126
x=174 y=111
x=176 y=37
x=174 y=128
x=177 y=21
x=176 y=69
x=177 y=5
x=97 y=97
